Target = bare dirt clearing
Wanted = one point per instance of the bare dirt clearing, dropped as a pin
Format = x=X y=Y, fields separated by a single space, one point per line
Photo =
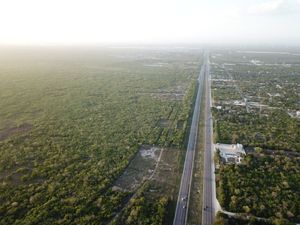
x=9 y=131
x=141 y=168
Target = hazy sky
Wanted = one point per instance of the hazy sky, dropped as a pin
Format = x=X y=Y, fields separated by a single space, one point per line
x=149 y=21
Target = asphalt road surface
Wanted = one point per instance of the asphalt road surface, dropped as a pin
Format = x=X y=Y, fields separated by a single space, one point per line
x=209 y=187
x=180 y=217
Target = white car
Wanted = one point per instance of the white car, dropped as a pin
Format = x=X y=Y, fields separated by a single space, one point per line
x=184 y=198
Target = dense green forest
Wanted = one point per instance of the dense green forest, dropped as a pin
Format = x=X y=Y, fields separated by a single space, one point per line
x=264 y=185
x=277 y=131
x=143 y=209
x=223 y=219
x=72 y=119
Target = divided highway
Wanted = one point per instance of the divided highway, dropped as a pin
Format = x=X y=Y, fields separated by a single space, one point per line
x=210 y=203
x=180 y=217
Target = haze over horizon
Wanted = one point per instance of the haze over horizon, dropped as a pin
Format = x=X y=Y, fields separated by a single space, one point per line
x=36 y=22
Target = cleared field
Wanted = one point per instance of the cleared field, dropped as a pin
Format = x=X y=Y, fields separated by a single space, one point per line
x=72 y=120
x=141 y=168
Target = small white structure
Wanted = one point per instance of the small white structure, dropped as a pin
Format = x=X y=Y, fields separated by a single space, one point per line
x=231 y=153
x=294 y=114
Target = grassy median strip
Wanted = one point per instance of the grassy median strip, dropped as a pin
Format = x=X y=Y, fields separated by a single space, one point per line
x=195 y=203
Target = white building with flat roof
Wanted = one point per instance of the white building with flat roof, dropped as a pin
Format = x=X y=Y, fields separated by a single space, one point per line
x=231 y=153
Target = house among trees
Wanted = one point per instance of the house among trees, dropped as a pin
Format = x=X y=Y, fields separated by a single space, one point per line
x=231 y=153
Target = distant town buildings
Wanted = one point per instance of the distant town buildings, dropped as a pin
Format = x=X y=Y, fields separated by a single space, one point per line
x=231 y=153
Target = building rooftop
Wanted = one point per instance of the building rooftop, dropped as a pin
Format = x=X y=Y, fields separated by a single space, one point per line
x=230 y=148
